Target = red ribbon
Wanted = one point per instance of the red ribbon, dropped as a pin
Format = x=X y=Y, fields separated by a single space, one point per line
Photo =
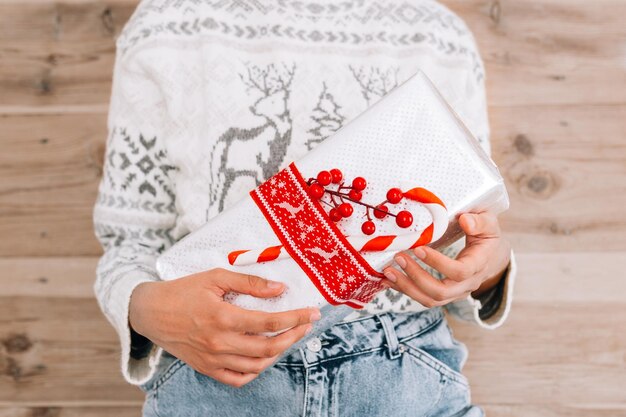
x=336 y=269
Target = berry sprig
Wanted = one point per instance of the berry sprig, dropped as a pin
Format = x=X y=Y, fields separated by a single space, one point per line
x=340 y=198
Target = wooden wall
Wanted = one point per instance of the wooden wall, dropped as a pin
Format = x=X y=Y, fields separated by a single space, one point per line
x=557 y=90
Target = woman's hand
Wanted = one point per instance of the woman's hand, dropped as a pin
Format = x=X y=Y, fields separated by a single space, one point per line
x=477 y=268
x=189 y=318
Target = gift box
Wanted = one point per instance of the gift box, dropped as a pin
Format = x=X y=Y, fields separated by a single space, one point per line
x=396 y=177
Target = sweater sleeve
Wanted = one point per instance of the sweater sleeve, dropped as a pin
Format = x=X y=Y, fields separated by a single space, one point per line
x=491 y=309
x=135 y=209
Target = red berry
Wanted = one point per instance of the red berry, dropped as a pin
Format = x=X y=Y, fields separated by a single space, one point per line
x=334 y=215
x=336 y=175
x=345 y=210
x=355 y=195
x=359 y=183
x=394 y=195
x=368 y=227
x=404 y=219
x=316 y=191
x=382 y=211
x=324 y=177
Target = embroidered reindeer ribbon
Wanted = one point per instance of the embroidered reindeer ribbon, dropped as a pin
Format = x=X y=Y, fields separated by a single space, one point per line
x=338 y=271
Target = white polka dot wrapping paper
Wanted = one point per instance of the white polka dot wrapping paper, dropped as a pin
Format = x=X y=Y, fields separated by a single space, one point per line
x=409 y=139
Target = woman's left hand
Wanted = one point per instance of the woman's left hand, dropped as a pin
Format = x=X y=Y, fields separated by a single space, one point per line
x=477 y=268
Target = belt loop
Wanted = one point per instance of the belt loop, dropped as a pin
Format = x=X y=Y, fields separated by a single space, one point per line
x=303 y=356
x=390 y=335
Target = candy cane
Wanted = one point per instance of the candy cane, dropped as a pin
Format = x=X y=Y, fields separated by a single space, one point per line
x=431 y=233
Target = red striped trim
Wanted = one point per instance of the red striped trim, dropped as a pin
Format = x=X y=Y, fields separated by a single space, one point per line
x=425 y=237
x=232 y=257
x=424 y=196
x=378 y=243
x=269 y=254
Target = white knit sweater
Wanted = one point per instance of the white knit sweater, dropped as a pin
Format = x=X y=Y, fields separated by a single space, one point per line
x=252 y=85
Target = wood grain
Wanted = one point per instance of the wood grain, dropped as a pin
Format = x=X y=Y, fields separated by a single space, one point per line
x=551 y=353
x=555 y=75
x=50 y=166
x=60 y=53
x=549 y=51
x=54 y=340
x=550 y=157
x=564 y=168
x=569 y=277
x=62 y=277
x=71 y=411
x=602 y=410
x=54 y=347
x=551 y=364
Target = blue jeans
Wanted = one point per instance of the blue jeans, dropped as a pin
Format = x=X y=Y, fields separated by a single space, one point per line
x=384 y=365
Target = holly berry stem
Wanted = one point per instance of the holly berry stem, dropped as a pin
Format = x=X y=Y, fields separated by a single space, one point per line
x=332 y=198
x=354 y=193
x=332 y=192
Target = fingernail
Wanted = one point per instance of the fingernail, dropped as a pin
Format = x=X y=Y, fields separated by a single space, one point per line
x=390 y=276
x=420 y=253
x=315 y=316
x=274 y=284
x=471 y=222
x=308 y=329
x=401 y=261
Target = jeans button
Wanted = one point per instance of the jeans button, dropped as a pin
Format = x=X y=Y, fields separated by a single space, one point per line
x=314 y=345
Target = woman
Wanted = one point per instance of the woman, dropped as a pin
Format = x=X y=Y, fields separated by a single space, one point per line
x=210 y=98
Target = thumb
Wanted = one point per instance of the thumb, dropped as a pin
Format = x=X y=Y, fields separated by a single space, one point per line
x=480 y=225
x=248 y=284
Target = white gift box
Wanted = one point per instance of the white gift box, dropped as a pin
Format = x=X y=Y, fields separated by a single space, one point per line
x=410 y=138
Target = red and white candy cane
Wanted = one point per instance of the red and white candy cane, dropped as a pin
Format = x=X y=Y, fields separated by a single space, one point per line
x=431 y=233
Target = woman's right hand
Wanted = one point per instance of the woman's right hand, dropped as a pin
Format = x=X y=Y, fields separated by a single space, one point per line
x=189 y=318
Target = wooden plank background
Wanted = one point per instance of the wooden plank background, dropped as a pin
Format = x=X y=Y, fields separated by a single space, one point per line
x=557 y=91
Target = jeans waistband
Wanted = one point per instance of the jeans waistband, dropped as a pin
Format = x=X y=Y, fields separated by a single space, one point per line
x=368 y=334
